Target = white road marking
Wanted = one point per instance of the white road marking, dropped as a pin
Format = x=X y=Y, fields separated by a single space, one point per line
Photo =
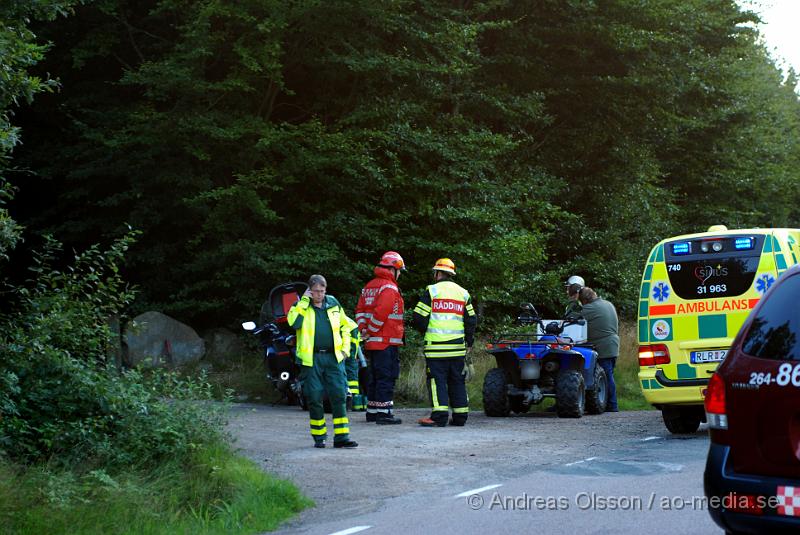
x=583 y=461
x=477 y=491
x=351 y=530
x=649 y=438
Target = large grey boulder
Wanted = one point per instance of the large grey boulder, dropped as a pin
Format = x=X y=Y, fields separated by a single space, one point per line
x=222 y=345
x=155 y=339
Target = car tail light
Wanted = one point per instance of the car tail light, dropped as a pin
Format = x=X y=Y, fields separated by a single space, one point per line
x=715 y=403
x=744 y=503
x=651 y=355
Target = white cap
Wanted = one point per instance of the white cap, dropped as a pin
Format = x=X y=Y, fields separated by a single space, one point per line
x=575 y=279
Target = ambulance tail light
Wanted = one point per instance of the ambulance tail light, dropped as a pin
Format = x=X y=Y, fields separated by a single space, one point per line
x=716 y=416
x=651 y=355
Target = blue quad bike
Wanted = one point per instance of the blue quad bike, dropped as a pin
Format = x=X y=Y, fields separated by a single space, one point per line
x=532 y=367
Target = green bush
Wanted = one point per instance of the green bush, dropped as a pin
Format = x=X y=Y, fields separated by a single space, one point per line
x=62 y=399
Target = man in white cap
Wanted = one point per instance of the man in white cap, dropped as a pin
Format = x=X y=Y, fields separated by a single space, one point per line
x=573 y=286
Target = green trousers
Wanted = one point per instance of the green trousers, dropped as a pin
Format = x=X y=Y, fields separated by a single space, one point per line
x=326 y=376
x=351 y=366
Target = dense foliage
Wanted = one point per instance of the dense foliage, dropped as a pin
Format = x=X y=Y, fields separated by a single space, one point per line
x=19 y=51
x=62 y=398
x=258 y=141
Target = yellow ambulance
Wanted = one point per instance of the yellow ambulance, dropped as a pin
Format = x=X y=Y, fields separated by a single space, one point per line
x=695 y=294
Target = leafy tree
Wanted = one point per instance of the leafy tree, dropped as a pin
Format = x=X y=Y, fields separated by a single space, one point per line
x=257 y=141
x=20 y=52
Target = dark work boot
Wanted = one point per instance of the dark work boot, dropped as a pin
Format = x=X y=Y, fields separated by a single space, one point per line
x=372 y=416
x=346 y=444
x=428 y=422
x=387 y=418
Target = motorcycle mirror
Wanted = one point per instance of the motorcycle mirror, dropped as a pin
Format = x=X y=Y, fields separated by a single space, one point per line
x=248 y=326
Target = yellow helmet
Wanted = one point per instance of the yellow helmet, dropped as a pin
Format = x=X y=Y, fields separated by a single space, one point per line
x=446 y=265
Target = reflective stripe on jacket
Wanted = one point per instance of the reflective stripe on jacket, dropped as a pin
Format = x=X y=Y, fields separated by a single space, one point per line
x=302 y=318
x=448 y=319
x=379 y=312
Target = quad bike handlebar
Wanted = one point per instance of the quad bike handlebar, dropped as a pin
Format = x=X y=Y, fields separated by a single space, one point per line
x=530 y=316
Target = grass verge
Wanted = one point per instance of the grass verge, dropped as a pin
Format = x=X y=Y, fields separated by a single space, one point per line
x=217 y=492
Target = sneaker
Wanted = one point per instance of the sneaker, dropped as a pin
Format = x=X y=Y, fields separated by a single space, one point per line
x=320 y=444
x=427 y=422
x=346 y=444
x=387 y=419
x=372 y=416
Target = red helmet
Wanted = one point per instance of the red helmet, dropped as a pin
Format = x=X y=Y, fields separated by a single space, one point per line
x=392 y=259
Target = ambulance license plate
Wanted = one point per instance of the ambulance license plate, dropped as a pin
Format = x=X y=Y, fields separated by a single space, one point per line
x=702 y=357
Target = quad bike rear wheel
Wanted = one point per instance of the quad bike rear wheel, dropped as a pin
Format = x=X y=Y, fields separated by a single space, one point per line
x=495 y=393
x=570 y=394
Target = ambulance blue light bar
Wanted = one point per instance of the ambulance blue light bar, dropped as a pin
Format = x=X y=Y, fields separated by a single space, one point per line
x=742 y=244
x=682 y=248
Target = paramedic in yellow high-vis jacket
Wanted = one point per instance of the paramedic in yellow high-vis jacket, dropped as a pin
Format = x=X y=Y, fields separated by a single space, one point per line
x=323 y=344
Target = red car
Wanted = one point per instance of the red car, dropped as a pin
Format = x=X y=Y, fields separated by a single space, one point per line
x=752 y=475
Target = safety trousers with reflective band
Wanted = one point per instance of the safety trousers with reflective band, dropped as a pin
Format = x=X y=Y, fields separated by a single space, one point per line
x=445 y=349
x=447 y=389
x=326 y=376
x=384 y=371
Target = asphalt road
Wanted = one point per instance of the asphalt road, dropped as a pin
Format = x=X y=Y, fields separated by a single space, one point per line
x=613 y=473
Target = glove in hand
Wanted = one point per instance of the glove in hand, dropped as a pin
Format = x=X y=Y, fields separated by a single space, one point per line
x=468 y=372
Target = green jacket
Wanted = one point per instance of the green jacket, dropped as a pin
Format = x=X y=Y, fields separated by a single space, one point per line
x=573 y=310
x=302 y=318
x=603 y=327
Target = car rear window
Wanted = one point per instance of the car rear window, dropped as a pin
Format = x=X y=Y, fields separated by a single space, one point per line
x=774 y=331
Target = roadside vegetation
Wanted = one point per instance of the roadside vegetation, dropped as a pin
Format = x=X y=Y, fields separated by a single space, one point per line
x=88 y=448
x=211 y=491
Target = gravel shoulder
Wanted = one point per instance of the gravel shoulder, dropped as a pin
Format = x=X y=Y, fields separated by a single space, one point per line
x=400 y=460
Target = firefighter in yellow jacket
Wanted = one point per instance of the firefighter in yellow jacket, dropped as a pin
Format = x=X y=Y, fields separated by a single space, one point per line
x=446 y=316
x=323 y=343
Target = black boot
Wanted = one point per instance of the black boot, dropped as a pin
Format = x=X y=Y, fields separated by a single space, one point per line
x=387 y=418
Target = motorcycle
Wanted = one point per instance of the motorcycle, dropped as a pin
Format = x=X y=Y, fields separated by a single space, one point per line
x=279 y=341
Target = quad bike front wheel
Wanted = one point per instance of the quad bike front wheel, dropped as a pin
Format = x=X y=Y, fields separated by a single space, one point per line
x=597 y=398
